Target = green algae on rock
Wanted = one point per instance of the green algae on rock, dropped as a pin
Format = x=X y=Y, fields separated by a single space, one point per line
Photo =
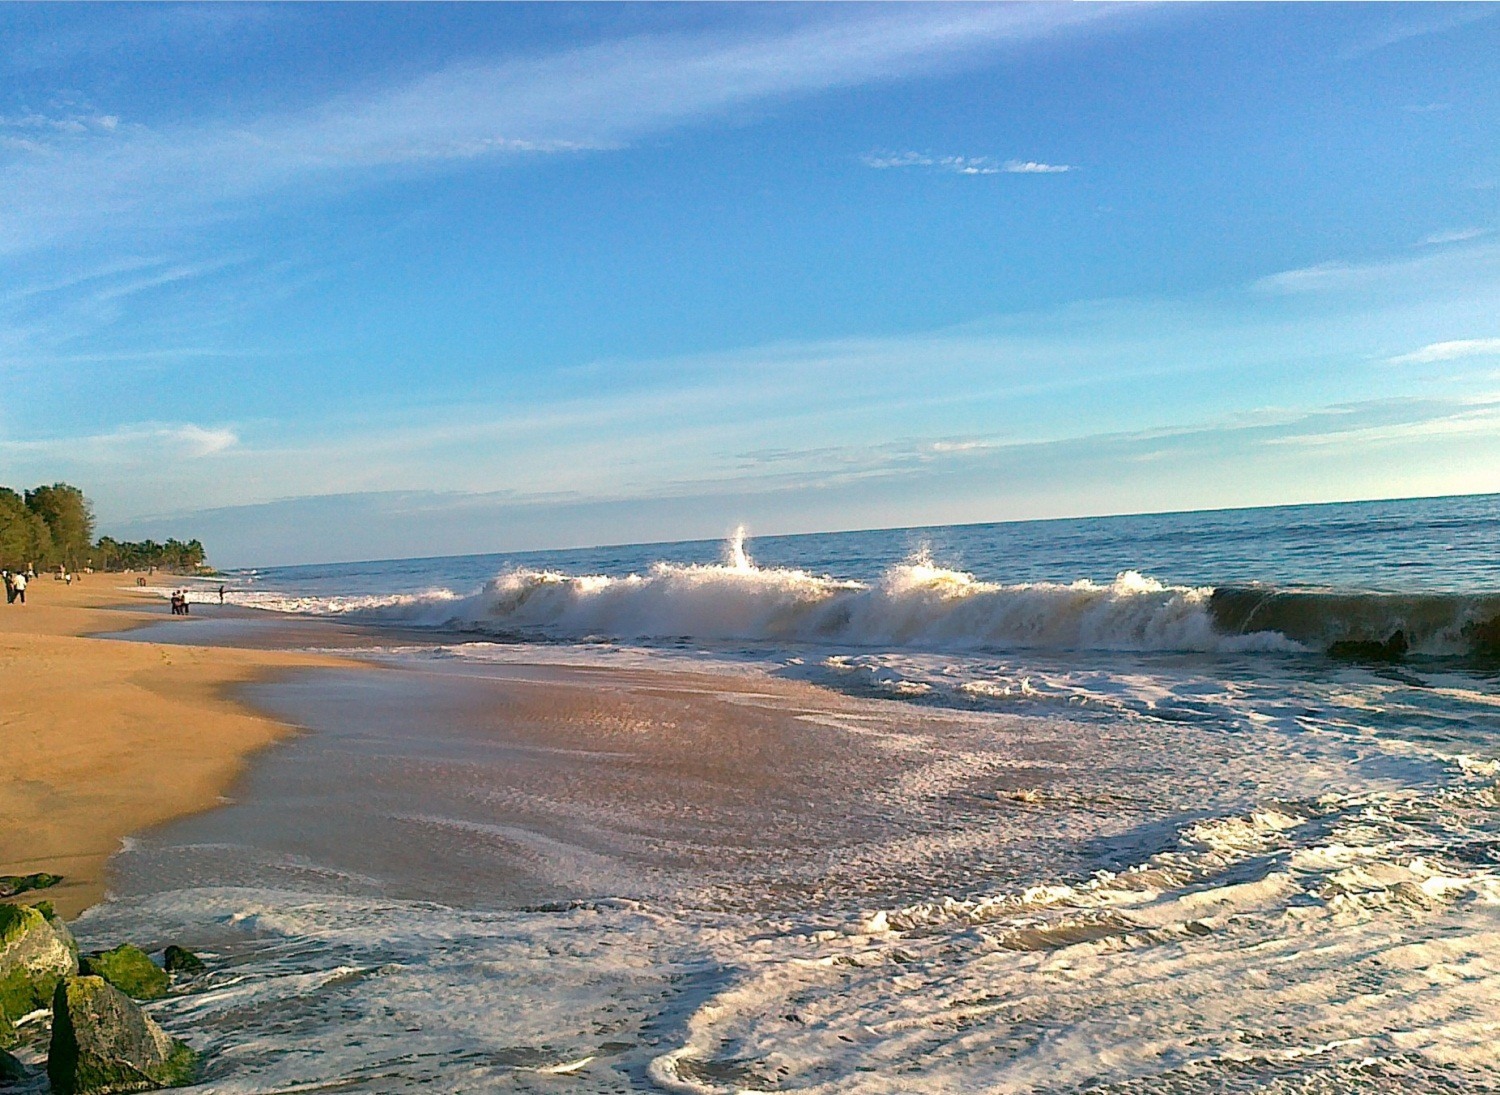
x=35 y=953
x=13 y=884
x=103 y=1043
x=181 y=960
x=129 y=969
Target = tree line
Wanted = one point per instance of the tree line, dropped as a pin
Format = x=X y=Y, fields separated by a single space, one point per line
x=54 y=526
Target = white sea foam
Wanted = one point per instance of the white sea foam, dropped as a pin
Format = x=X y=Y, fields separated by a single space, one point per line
x=917 y=604
x=1337 y=945
x=1340 y=944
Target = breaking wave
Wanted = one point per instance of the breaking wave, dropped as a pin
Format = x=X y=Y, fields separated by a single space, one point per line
x=919 y=604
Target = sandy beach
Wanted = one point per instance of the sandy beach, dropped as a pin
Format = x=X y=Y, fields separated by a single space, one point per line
x=104 y=737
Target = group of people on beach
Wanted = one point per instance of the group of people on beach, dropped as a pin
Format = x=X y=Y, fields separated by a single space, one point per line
x=179 y=602
x=15 y=585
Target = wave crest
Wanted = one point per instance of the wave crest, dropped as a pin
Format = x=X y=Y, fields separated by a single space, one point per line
x=917 y=604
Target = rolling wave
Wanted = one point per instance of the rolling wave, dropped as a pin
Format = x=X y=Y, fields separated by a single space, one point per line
x=918 y=604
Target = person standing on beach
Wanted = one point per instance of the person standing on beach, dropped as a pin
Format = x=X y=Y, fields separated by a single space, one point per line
x=10 y=588
x=19 y=584
x=221 y=594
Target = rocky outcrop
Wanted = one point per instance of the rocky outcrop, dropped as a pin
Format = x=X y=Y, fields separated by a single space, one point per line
x=36 y=951
x=103 y=1043
x=181 y=960
x=128 y=969
x=12 y=884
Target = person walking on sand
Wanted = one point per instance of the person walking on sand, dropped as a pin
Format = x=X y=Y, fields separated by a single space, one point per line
x=10 y=588
x=221 y=594
x=19 y=582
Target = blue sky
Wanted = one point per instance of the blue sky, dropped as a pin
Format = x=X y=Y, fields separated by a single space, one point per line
x=344 y=281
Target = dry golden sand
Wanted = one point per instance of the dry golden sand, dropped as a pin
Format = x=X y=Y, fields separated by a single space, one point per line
x=103 y=737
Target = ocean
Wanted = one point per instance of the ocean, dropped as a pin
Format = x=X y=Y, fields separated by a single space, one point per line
x=1167 y=803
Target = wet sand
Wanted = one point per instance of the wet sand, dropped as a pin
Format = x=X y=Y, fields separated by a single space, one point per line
x=514 y=785
x=104 y=738
x=503 y=785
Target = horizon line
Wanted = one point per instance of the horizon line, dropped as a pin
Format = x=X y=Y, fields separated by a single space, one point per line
x=750 y=537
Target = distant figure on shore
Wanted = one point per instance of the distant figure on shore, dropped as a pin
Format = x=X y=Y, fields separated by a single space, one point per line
x=10 y=587
x=18 y=586
x=221 y=594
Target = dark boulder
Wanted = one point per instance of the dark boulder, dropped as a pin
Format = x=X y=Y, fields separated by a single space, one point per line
x=181 y=960
x=11 y=1070
x=128 y=969
x=1369 y=650
x=35 y=953
x=103 y=1043
x=1484 y=638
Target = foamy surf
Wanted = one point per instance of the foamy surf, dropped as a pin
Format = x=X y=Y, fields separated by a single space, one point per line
x=1336 y=945
x=919 y=604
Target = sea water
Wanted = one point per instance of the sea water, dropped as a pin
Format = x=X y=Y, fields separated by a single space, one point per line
x=1187 y=802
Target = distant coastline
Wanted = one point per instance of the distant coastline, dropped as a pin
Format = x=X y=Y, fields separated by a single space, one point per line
x=52 y=528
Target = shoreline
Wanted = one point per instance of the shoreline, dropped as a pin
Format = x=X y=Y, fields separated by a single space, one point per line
x=107 y=736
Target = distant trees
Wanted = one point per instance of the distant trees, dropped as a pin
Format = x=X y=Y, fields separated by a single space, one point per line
x=69 y=519
x=24 y=535
x=54 y=525
x=113 y=554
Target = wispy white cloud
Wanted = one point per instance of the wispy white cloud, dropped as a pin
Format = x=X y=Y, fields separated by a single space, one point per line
x=1438 y=19
x=961 y=165
x=1259 y=459
x=593 y=98
x=129 y=446
x=69 y=122
x=1033 y=167
x=753 y=420
x=198 y=441
x=1457 y=235
x=1454 y=266
x=1452 y=350
x=884 y=161
x=165 y=275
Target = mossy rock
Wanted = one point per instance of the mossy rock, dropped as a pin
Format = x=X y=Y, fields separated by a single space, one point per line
x=181 y=960
x=129 y=969
x=12 y=884
x=8 y=1035
x=35 y=953
x=14 y=922
x=103 y=1044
